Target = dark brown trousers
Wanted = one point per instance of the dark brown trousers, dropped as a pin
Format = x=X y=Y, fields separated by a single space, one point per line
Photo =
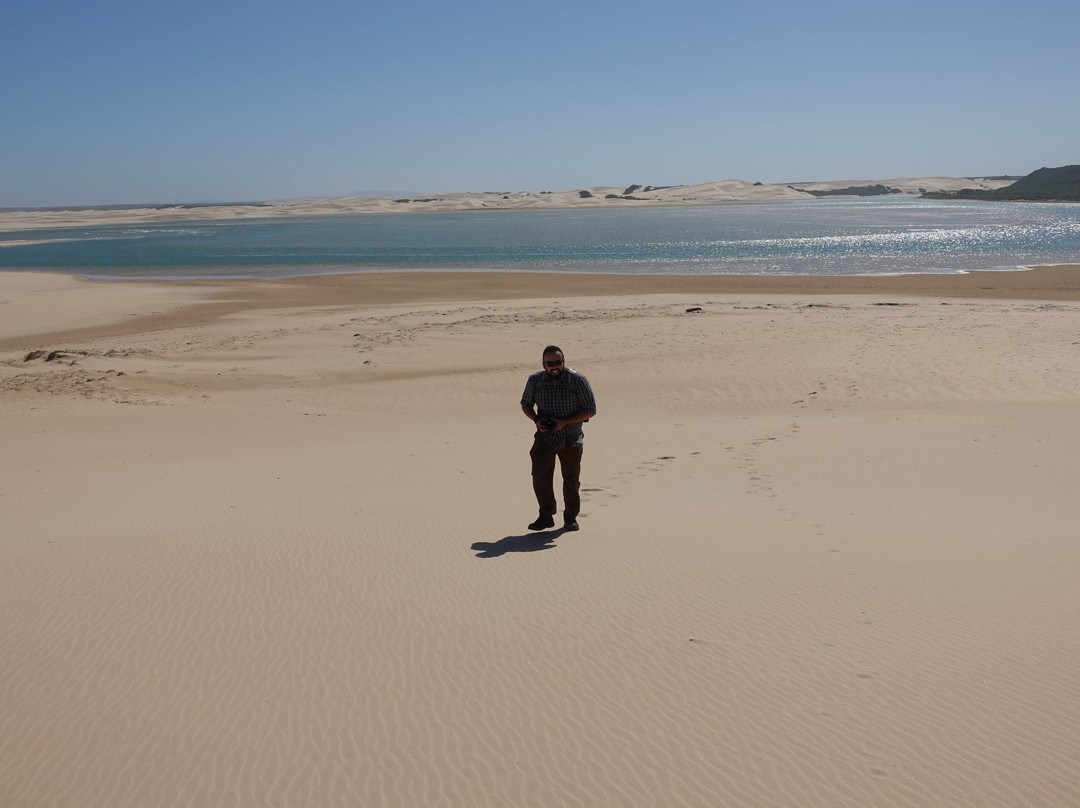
x=543 y=477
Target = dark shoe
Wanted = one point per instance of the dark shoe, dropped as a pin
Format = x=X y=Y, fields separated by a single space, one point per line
x=544 y=521
x=571 y=524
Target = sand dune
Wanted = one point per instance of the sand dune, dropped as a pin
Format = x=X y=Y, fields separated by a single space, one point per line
x=909 y=185
x=266 y=546
x=726 y=191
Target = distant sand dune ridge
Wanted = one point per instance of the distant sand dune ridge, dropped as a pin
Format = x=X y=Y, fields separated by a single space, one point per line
x=721 y=192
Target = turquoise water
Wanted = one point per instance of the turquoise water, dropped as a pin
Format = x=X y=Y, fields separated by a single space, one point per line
x=897 y=234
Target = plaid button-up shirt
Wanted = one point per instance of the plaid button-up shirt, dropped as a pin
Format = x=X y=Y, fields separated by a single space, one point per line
x=559 y=398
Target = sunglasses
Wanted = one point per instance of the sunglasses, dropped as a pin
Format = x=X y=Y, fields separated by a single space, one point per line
x=554 y=364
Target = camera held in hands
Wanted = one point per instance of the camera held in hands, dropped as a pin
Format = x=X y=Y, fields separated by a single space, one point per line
x=546 y=424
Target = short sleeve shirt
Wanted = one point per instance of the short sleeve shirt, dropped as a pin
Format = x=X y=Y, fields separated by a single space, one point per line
x=559 y=398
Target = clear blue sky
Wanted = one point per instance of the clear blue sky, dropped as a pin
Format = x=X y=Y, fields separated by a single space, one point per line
x=127 y=101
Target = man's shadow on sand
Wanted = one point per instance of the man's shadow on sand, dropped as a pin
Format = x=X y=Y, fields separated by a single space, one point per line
x=525 y=543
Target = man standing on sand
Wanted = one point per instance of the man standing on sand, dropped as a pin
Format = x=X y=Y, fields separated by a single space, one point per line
x=558 y=400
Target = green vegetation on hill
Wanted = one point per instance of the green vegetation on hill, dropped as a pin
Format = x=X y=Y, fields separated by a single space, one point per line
x=856 y=190
x=1044 y=185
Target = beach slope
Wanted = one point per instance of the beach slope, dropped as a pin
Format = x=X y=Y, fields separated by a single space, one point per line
x=264 y=543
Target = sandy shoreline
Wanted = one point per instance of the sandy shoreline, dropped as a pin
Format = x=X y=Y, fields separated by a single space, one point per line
x=264 y=542
x=77 y=302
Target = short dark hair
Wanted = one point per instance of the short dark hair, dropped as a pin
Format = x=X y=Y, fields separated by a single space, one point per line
x=551 y=349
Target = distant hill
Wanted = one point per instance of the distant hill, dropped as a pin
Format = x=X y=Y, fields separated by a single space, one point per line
x=1044 y=185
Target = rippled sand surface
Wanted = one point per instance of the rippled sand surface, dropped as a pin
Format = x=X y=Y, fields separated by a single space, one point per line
x=264 y=544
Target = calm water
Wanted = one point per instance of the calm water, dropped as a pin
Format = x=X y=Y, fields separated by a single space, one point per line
x=896 y=234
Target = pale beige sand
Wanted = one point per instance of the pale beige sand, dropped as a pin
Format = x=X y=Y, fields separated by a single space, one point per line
x=709 y=193
x=267 y=547
x=910 y=185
